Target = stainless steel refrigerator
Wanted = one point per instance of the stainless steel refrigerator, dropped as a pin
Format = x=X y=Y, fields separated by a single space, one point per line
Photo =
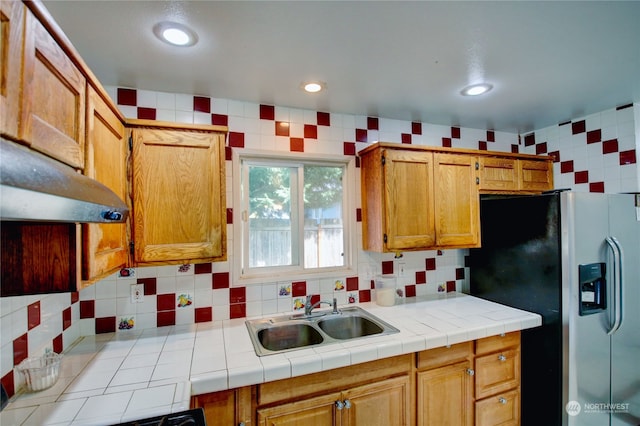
x=573 y=258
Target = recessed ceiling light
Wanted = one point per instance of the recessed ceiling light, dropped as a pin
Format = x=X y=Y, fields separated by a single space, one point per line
x=313 y=86
x=175 y=34
x=476 y=89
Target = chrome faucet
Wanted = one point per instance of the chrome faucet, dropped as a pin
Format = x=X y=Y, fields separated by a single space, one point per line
x=308 y=307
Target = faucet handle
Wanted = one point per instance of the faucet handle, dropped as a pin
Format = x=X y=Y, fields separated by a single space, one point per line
x=335 y=306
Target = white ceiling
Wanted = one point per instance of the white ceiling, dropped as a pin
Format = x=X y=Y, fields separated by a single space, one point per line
x=549 y=62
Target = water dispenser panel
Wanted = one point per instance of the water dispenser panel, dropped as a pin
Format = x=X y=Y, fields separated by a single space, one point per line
x=593 y=288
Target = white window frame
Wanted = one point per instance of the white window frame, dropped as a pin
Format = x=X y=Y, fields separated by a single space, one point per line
x=243 y=276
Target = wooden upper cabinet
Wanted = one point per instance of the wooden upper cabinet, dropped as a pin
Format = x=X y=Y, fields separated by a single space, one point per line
x=457 y=201
x=12 y=32
x=53 y=97
x=105 y=246
x=179 y=203
x=498 y=174
x=536 y=175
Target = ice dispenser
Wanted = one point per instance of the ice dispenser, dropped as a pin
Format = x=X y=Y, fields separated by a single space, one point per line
x=593 y=288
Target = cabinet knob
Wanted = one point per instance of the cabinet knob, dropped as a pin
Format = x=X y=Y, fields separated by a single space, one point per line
x=339 y=405
x=502 y=400
x=347 y=403
x=502 y=357
x=470 y=371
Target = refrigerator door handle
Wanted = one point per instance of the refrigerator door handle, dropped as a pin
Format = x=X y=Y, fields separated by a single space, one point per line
x=617 y=283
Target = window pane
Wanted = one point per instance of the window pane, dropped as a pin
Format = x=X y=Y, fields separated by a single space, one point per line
x=323 y=210
x=270 y=223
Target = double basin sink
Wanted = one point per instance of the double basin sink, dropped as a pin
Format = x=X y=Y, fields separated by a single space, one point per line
x=290 y=332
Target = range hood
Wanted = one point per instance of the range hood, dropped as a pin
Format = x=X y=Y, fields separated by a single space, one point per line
x=34 y=187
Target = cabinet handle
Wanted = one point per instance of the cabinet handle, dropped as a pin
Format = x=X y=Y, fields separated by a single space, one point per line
x=502 y=357
x=347 y=403
x=470 y=371
x=502 y=400
x=339 y=405
x=477 y=166
x=477 y=181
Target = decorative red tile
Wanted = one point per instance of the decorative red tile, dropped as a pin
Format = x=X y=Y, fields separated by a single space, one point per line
x=229 y=216
x=416 y=128
x=323 y=119
x=220 y=280
x=238 y=310
x=8 y=383
x=610 y=146
x=421 y=277
x=166 y=302
x=578 y=127
x=353 y=283
x=410 y=290
x=165 y=318
x=594 y=136
x=299 y=288
x=361 y=135
x=236 y=139
x=491 y=136
x=451 y=286
x=530 y=139
x=310 y=131
x=203 y=268
x=149 y=286
x=541 y=148
x=228 y=152
x=372 y=123
x=430 y=264
x=555 y=155
x=405 y=138
x=315 y=298
x=237 y=294
x=515 y=149
x=459 y=273
x=349 y=148
x=267 y=112
x=446 y=142
x=387 y=267
x=628 y=157
x=201 y=104
x=364 y=296
x=581 y=177
x=87 y=309
x=566 y=166
x=357 y=162
x=33 y=315
x=440 y=252
x=75 y=296
x=455 y=132
x=66 y=318
x=281 y=128
x=219 y=119
x=146 y=113
x=296 y=144
x=482 y=145
x=372 y=284
x=203 y=314
x=358 y=215
x=105 y=325
x=58 y=344
x=596 y=187
x=20 y=349
x=127 y=97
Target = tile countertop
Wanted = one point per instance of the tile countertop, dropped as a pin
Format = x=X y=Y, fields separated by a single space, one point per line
x=117 y=377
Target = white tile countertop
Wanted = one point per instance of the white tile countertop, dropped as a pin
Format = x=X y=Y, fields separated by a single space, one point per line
x=117 y=377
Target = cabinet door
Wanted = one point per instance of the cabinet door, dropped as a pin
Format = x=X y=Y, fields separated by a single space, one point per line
x=178 y=196
x=457 y=201
x=536 y=175
x=318 y=411
x=497 y=372
x=408 y=187
x=383 y=403
x=498 y=174
x=53 y=110
x=499 y=410
x=12 y=27
x=105 y=247
x=445 y=396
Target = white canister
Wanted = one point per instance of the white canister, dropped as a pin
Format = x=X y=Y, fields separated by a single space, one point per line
x=385 y=290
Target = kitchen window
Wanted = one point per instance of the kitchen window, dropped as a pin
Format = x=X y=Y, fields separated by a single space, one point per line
x=293 y=219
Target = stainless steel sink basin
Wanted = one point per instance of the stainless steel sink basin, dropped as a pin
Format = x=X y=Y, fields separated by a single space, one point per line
x=290 y=332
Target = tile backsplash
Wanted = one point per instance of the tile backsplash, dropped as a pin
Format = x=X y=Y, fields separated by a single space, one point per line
x=597 y=153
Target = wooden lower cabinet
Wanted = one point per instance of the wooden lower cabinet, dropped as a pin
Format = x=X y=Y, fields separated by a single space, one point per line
x=445 y=395
x=503 y=410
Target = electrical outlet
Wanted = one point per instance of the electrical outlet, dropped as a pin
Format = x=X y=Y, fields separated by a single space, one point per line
x=137 y=293
x=401 y=266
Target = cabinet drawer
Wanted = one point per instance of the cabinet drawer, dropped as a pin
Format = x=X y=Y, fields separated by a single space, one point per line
x=497 y=343
x=502 y=409
x=497 y=372
x=444 y=356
